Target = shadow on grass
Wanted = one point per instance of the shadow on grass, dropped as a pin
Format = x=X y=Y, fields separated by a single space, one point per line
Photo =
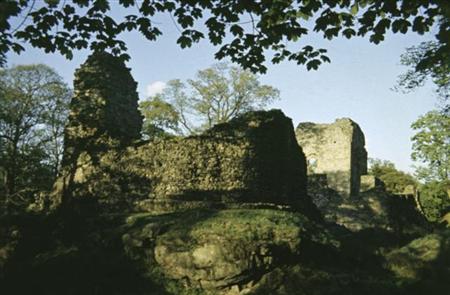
x=44 y=262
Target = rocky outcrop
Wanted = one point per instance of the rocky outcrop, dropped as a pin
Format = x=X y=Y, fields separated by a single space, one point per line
x=222 y=252
x=421 y=263
x=238 y=251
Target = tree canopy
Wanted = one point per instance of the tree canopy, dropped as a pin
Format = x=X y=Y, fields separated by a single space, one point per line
x=160 y=118
x=216 y=95
x=395 y=180
x=415 y=76
x=435 y=199
x=34 y=108
x=244 y=31
x=431 y=146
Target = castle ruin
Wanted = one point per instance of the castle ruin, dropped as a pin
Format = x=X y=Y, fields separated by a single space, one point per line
x=336 y=150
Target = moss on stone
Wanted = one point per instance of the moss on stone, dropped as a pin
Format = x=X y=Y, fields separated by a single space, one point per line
x=422 y=258
x=104 y=110
x=103 y=118
x=253 y=158
x=218 y=250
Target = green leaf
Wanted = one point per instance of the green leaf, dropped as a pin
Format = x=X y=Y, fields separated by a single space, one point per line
x=184 y=41
x=354 y=9
x=348 y=33
x=325 y=58
x=302 y=15
x=17 y=48
x=313 y=64
x=237 y=30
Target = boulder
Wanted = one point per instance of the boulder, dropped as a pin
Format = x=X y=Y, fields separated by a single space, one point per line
x=422 y=265
x=219 y=251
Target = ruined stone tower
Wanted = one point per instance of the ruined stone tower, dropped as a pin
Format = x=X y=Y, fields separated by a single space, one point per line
x=103 y=118
x=104 y=110
x=336 y=150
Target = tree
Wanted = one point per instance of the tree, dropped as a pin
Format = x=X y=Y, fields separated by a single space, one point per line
x=431 y=146
x=216 y=95
x=435 y=199
x=418 y=73
x=245 y=30
x=395 y=180
x=161 y=118
x=34 y=103
x=55 y=118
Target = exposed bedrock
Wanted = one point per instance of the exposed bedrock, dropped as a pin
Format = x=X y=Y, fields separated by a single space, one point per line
x=220 y=251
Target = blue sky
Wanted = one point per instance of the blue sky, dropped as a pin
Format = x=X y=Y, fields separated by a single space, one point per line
x=357 y=84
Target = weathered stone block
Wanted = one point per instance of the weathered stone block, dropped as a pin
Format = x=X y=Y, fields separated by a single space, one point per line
x=369 y=182
x=410 y=190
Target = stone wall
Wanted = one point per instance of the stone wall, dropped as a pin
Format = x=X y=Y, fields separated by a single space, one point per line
x=369 y=182
x=253 y=158
x=336 y=150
